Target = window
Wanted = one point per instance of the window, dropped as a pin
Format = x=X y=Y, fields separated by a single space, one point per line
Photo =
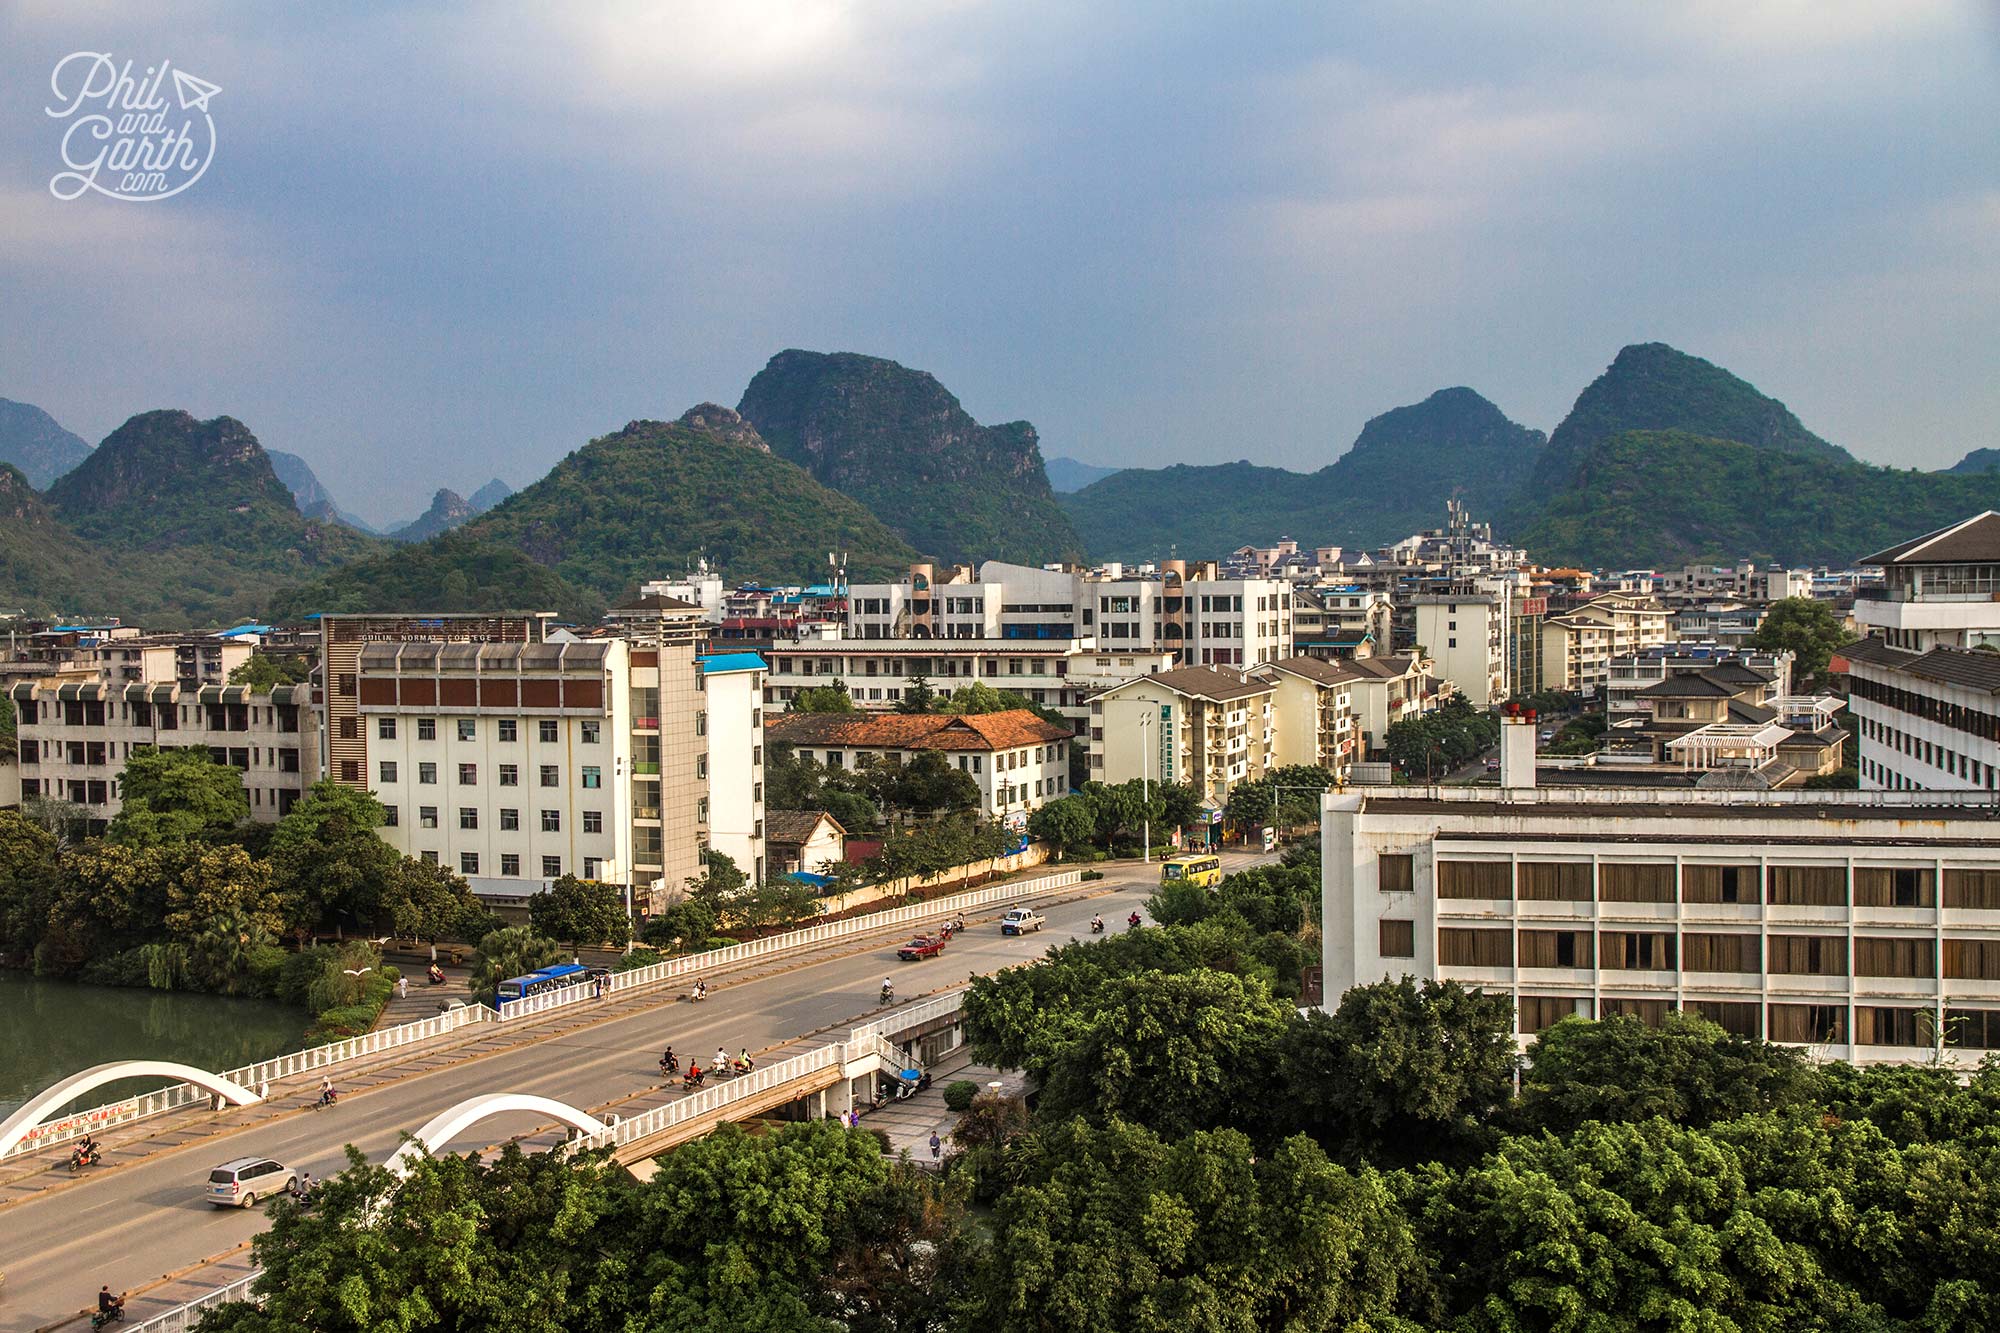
x=350 y=770
x=385 y=772
x=552 y=821
x=468 y=863
x=1398 y=939
x=1703 y=952
x=1396 y=872
x=1736 y=1017
x=1618 y=882
x=510 y=775
x=552 y=867
x=551 y=775
x=587 y=732
x=701 y=765
x=701 y=721
x=1883 y=1025
x=468 y=729
x=468 y=817
x=427 y=816
x=1635 y=949
x=1809 y=955
x=1807 y=886
x=1475 y=946
x=547 y=729
x=510 y=820
x=430 y=858
x=427 y=729
x=1474 y=879
x=593 y=821
x=1894 y=956
x=1554 y=881
x=427 y=773
x=1718 y=884
x=1976 y=889
x=1972 y=960
x=468 y=775
x=1538 y=1013
x=592 y=867
x=391 y=816
x=1808 y=1023
x=350 y=729
x=510 y=731
x=510 y=863
x=385 y=728
x=593 y=777
x=1555 y=948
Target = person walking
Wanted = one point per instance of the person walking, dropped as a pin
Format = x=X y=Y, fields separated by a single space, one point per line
x=937 y=1146
x=402 y=988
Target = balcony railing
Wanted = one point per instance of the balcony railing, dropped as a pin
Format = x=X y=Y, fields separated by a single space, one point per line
x=646 y=766
x=645 y=724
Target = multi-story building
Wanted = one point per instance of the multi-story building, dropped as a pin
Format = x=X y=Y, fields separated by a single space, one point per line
x=1717 y=622
x=1388 y=690
x=734 y=773
x=76 y=732
x=1313 y=714
x=1579 y=643
x=1017 y=760
x=1209 y=728
x=1527 y=650
x=1628 y=675
x=1464 y=633
x=1864 y=925
x=1925 y=684
x=1745 y=579
x=1341 y=621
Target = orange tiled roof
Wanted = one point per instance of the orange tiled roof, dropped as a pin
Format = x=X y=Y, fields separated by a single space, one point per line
x=1007 y=730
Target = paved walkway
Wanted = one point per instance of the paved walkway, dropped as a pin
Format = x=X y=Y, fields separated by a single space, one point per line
x=424 y=999
x=909 y=1123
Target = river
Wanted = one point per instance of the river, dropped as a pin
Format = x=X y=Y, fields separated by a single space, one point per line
x=52 y=1029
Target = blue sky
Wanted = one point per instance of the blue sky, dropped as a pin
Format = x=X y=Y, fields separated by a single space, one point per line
x=441 y=242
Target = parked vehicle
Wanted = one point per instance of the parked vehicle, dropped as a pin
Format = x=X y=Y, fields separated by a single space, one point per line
x=1020 y=920
x=922 y=947
x=240 y=1183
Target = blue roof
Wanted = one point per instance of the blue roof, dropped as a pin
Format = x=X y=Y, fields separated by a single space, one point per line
x=725 y=662
x=809 y=878
x=823 y=590
x=245 y=629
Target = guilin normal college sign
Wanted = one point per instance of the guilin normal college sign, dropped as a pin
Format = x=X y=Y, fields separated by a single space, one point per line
x=129 y=134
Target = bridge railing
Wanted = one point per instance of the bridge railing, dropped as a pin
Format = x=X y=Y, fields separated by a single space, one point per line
x=910 y=1015
x=713 y=1100
x=688 y=965
x=183 y=1317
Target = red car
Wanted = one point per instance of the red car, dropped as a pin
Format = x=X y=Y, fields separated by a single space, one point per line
x=923 y=946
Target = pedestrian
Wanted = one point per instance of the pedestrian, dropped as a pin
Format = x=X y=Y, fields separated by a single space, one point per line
x=402 y=988
x=937 y=1146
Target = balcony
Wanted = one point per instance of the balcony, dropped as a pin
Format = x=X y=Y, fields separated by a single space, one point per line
x=645 y=724
x=651 y=766
x=651 y=812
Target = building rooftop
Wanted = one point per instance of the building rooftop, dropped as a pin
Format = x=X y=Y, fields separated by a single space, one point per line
x=1200 y=682
x=1313 y=668
x=1975 y=540
x=723 y=663
x=1007 y=730
x=1969 y=668
x=796 y=826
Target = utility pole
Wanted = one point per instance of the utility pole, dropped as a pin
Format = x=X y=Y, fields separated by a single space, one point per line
x=1145 y=783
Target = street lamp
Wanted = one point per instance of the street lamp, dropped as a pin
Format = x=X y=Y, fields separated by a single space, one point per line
x=1145 y=785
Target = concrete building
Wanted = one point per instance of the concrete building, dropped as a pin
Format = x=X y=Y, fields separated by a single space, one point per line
x=1925 y=684
x=1388 y=690
x=1018 y=761
x=734 y=773
x=1464 y=633
x=1313 y=714
x=1579 y=643
x=1209 y=728
x=1863 y=925
x=807 y=842
x=1342 y=621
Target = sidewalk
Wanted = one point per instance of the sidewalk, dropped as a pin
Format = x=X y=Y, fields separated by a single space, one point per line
x=909 y=1123
x=424 y=999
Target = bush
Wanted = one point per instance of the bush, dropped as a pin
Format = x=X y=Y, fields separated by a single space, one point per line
x=637 y=958
x=958 y=1095
x=351 y=1020
x=119 y=969
x=718 y=942
x=1090 y=875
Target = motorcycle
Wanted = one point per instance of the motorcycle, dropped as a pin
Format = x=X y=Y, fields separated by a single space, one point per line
x=79 y=1158
x=693 y=1078
x=1132 y=921
x=115 y=1315
x=670 y=1064
x=1097 y=925
x=888 y=994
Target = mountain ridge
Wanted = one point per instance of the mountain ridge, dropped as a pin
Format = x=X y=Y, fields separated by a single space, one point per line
x=36 y=443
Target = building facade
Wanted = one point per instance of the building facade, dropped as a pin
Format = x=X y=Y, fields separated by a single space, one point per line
x=1017 y=760
x=1313 y=718
x=1208 y=728
x=1866 y=926
x=1464 y=633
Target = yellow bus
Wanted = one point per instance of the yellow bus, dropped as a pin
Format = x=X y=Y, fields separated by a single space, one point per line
x=1199 y=869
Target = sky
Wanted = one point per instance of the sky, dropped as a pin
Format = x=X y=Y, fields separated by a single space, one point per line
x=441 y=242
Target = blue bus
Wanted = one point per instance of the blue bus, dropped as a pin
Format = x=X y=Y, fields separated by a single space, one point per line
x=559 y=977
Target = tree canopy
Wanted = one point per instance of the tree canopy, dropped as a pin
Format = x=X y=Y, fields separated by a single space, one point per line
x=1807 y=628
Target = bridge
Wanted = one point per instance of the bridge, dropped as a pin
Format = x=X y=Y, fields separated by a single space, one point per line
x=145 y=1216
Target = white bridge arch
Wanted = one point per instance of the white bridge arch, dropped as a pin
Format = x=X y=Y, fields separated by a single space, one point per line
x=23 y=1122
x=448 y=1124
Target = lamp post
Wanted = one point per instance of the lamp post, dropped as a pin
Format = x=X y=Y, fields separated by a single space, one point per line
x=1145 y=784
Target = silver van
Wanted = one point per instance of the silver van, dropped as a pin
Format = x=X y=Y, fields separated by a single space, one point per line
x=240 y=1183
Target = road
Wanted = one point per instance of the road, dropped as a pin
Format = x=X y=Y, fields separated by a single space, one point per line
x=131 y=1226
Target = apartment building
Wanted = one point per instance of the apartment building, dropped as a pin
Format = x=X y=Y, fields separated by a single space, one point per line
x=1342 y=621
x=1925 y=688
x=1203 y=726
x=1863 y=925
x=1313 y=715
x=76 y=731
x=1746 y=580
x=1464 y=633
x=733 y=684
x=1527 y=649
x=1388 y=690
x=1018 y=760
x=1628 y=675
x=1579 y=643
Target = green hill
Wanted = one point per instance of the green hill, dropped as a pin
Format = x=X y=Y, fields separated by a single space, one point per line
x=193 y=521
x=45 y=569
x=897 y=441
x=635 y=505
x=1393 y=481
x=1979 y=460
x=1665 y=498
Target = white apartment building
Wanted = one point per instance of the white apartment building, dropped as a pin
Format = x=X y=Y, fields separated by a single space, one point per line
x=734 y=758
x=1924 y=685
x=1018 y=761
x=1388 y=690
x=1342 y=621
x=1863 y=925
x=1578 y=644
x=1202 y=726
x=1465 y=635
x=1745 y=579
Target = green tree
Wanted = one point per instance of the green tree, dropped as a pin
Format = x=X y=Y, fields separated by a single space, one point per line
x=110 y=898
x=426 y=901
x=205 y=884
x=177 y=795
x=1805 y=627
x=580 y=912
x=329 y=862
x=926 y=784
x=1416 y=745
x=1687 y=1070
x=30 y=870
x=513 y=951
x=832 y=698
x=262 y=671
x=1066 y=824
x=229 y=947
x=918 y=696
x=1296 y=789
x=1116 y=1228
x=720 y=878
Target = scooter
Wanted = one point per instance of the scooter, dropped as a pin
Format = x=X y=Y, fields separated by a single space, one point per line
x=670 y=1064
x=115 y=1315
x=81 y=1157
x=693 y=1079
x=888 y=994
x=1097 y=925
x=1132 y=921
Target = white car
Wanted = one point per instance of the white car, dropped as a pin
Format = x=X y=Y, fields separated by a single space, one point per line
x=240 y=1183
x=1020 y=920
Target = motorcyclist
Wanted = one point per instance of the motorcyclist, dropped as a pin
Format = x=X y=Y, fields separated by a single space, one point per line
x=700 y=989
x=744 y=1064
x=693 y=1077
x=888 y=990
x=1132 y=921
x=107 y=1303
x=669 y=1062
x=721 y=1062
x=1096 y=924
